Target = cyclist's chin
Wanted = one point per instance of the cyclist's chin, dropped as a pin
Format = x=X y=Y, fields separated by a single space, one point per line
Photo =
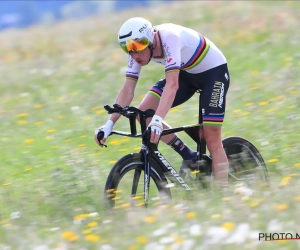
x=143 y=63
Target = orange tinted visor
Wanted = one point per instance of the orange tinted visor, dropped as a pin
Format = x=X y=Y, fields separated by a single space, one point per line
x=135 y=45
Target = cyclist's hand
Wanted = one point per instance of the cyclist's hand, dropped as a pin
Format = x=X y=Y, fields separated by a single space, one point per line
x=156 y=128
x=107 y=128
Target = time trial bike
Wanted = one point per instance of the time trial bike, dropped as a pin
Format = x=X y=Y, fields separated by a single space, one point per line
x=246 y=164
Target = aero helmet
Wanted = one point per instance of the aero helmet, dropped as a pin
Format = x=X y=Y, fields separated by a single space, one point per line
x=136 y=34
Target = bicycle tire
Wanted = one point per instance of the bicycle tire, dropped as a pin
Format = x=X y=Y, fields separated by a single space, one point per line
x=128 y=163
x=241 y=152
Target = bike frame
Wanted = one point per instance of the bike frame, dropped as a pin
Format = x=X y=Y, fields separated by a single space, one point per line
x=150 y=150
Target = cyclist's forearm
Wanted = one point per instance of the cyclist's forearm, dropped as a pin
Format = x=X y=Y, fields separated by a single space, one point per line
x=124 y=98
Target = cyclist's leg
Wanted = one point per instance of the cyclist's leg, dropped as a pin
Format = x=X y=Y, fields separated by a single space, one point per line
x=151 y=101
x=213 y=104
x=213 y=137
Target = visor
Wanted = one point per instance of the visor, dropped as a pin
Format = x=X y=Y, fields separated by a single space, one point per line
x=135 y=45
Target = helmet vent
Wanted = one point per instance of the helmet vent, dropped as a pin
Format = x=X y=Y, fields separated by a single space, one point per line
x=127 y=35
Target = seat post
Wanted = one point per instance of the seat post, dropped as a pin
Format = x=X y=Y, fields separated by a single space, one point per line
x=201 y=147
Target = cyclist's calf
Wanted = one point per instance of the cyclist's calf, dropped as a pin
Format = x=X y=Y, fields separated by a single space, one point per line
x=213 y=138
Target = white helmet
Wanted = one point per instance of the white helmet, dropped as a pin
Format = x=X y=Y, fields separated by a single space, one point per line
x=136 y=34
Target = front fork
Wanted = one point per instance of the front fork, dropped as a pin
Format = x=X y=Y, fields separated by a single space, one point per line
x=146 y=177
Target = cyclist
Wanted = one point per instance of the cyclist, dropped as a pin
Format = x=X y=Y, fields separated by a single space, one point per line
x=191 y=62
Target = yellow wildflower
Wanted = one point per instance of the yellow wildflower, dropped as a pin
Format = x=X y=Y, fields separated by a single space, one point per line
x=87 y=231
x=22 y=115
x=286 y=178
x=22 y=122
x=178 y=239
x=281 y=207
x=190 y=215
x=254 y=204
x=142 y=240
x=133 y=247
x=150 y=219
x=263 y=103
x=229 y=226
x=273 y=160
x=92 y=238
x=225 y=199
x=283 y=183
x=92 y=224
x=29 y=141
x=73 y=238
x=297 y=198
x=99 y=112
x=67 y=235
x=81 y=216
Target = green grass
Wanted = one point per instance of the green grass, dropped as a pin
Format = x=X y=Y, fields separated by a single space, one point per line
x=54 y=83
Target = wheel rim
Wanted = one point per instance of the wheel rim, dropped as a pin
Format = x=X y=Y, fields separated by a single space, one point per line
x=128 y=188
x=245 y=166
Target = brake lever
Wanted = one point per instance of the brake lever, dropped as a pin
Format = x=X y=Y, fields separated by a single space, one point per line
x=110 y=110
x=118 y=107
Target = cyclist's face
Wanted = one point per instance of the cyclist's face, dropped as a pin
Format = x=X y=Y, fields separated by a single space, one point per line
x=141 y=57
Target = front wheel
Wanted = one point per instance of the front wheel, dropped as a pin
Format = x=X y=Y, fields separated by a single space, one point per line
x=125 y=183
x=245 y=161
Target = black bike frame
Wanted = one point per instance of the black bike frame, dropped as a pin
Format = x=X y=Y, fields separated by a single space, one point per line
x=150 y=150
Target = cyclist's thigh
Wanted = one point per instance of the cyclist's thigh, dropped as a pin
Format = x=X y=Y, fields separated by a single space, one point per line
x=213 y=96
x=185 y=91
x=149 y=102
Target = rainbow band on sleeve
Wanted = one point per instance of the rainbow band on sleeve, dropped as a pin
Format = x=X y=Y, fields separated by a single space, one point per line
x=213 y=120
x=132 y=77
x=172 y=69
x=199 y=54
x=156 y=92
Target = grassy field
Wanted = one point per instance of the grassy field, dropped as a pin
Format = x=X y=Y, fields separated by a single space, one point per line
x=54 y=83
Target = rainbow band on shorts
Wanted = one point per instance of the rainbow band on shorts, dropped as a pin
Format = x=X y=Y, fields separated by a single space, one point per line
x=213 y=120
x=156 y=92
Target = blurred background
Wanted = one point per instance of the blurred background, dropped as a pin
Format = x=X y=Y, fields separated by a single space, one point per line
x=60 y=63
x=18 y=14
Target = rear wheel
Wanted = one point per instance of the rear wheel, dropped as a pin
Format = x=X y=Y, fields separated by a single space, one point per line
x=125 y=183
x=246 y=164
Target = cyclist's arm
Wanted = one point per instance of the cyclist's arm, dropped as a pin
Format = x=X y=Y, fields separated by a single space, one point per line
x=124 y=97
x=172 y=49
x=168 y=95
x=126 y=93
